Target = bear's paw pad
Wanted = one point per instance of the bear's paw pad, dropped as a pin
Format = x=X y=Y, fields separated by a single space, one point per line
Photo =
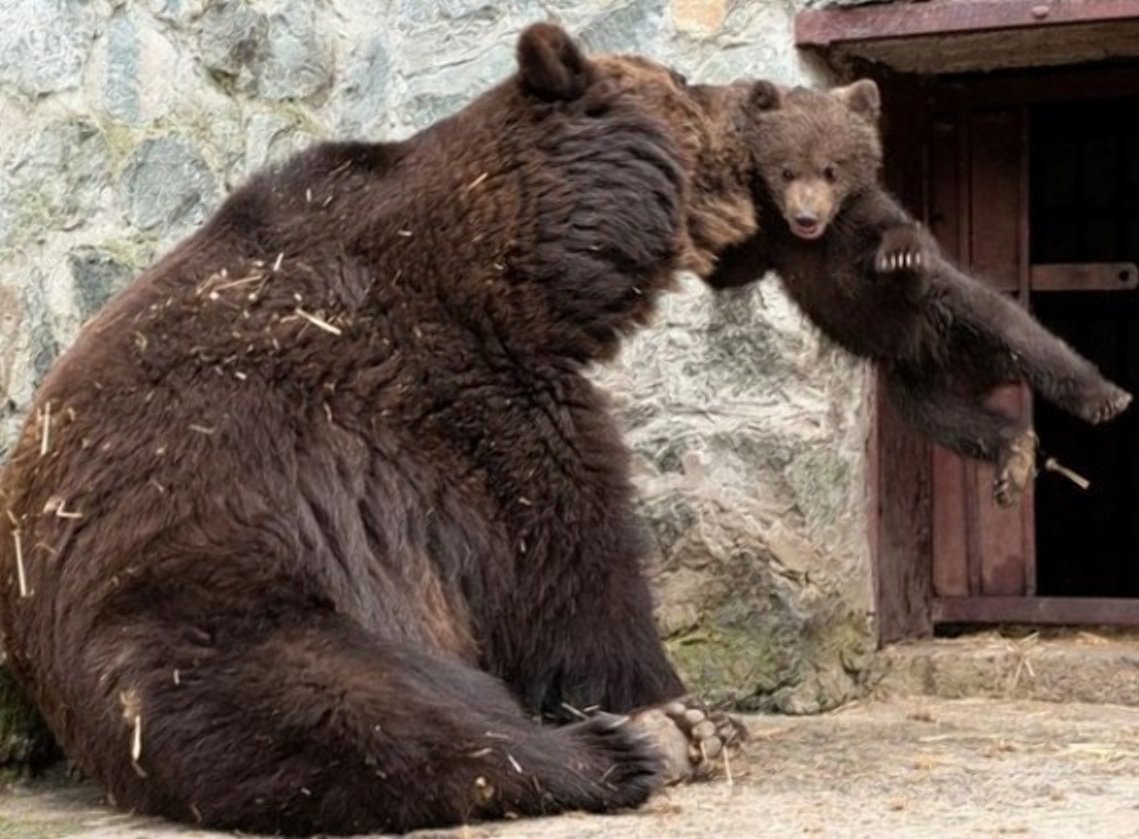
x=1108 y=403
x=694 y=739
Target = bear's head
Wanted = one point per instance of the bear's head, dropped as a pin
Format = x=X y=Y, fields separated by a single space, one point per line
x=815 y=149
x=709 y=129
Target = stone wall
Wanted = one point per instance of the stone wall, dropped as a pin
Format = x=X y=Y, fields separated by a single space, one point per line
x=126 y=121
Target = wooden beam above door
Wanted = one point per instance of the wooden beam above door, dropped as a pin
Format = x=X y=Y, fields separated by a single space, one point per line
x=953 y=36
x=881 y=21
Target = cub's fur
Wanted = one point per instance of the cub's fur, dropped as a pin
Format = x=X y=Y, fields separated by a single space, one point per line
x=872 y=279
x=322 y=508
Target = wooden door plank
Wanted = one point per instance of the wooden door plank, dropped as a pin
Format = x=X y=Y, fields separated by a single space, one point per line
x=903 y=539
x=948 y=222
x=949 y=550
x=944 y=219
x=994 y=173
x=998 y=253
x=1024 y=274
x=898 y=458
x=1000 y=530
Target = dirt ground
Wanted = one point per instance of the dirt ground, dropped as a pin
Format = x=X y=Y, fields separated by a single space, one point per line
x=896 y=768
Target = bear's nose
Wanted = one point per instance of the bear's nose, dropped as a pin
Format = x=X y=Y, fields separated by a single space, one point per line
x=807 y=220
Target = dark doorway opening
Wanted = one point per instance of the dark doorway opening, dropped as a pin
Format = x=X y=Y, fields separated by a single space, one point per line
x=1084 y=208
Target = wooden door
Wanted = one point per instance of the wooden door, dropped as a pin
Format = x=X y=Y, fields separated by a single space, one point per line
x=958 y=154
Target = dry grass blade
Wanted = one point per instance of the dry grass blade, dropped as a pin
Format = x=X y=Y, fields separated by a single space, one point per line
x=579 y=714
x=45 y=441
x=21 y=577
x=57 y=505
x=136 y=739
x=1053 y=465
x=477 y=181
x=318 y=322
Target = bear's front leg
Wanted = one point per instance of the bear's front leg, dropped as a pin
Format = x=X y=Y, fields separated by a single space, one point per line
x=592 y=646
x=908 y=253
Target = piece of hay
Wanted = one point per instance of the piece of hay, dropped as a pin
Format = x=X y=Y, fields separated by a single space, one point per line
x=21 y=578
x=1053 y=465
x=45 y=440
x=318 y=322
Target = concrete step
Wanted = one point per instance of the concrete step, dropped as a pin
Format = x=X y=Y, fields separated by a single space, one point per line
x=1054 y=667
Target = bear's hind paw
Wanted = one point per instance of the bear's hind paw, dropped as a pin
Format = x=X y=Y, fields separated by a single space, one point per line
x=1016 y=467
x=1107 y=406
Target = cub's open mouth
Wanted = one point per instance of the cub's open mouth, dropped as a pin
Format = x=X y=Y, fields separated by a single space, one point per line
x=807 y=231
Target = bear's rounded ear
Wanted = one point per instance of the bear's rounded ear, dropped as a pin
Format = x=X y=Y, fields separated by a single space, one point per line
x=550 y=65
x=764 y=96
x=862 y=97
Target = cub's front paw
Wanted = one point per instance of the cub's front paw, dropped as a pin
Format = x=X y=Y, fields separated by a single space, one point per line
x=691 y=737
x=906 y=248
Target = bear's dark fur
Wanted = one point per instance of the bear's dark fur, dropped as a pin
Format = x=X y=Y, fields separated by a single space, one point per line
x=316 y=512
x=873 y=281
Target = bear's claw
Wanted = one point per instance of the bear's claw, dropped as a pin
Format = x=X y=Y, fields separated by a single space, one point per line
x=903 y=248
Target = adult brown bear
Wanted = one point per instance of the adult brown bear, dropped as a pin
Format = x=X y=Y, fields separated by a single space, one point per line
x=322 y=506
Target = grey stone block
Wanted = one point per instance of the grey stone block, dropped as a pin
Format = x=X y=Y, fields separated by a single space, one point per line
x=120 y=86
x=232 y=37
x=361 y=96
x=167 y=186
x=297 y=63
x=97 y=275
x=55 y=180
x=631 y=27
x=44 y=44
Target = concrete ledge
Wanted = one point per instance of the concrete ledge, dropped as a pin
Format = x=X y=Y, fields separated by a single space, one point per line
x=1080 y=667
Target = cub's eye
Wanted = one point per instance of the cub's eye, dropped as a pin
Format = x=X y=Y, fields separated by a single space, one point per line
x=679 y=79
x=788 y=175
x=829 y=174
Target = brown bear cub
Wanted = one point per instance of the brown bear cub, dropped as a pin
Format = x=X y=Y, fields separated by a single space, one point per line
x=318 y=513
x=872 y=280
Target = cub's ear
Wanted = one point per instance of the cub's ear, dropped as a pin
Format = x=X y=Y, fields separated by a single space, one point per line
x=765 y=96
x=550 y=65
x=861 y=97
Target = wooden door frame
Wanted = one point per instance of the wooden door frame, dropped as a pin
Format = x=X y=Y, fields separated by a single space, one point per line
x=901 y=507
